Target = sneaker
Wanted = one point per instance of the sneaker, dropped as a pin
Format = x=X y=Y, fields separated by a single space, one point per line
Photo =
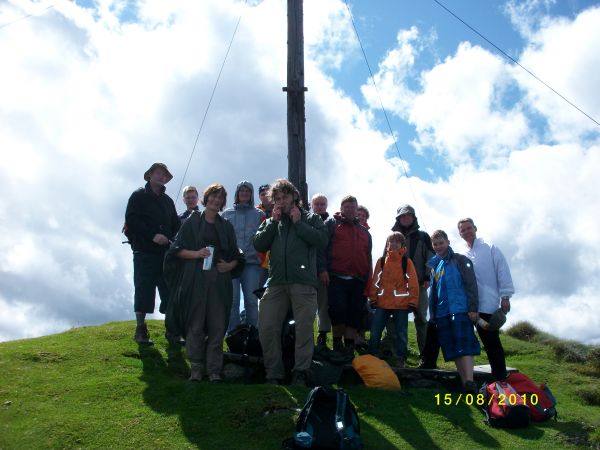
x=215 y=378
x=401 y=363
x=196 y=373
x=470 y=387
x=174 y=339
x=141 y=335
x=299 y=378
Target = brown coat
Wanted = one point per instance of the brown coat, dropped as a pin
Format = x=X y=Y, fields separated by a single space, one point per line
x=388 y=288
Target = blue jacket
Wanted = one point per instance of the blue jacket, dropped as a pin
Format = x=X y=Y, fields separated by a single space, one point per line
x=245 y=219
x=453 y=285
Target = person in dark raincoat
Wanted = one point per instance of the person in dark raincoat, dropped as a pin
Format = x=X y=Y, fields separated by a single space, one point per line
x=200 y=301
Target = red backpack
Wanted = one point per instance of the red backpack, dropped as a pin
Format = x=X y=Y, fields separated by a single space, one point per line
x=539 y=399
x=504 y=407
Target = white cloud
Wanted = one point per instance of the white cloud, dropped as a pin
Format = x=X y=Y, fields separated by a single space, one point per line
x=89 y=102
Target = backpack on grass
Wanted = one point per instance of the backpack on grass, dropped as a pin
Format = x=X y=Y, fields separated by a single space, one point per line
x=539 y=399
x=243 y=340
x=504 y=407
x=328 y=420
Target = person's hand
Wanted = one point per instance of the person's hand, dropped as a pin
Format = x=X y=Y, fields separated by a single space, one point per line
x=474 y=316
x=224 y=266
x=160 y=239
x=204 y=252
x=295 y=214
x=324 y=277
x=276 y=214
x=505 y=304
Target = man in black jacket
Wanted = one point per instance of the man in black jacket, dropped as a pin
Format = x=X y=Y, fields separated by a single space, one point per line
x=152 y=223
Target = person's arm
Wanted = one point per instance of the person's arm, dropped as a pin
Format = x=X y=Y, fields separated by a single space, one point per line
x=470 y=285
x=263 y=239
x=312 y=232
x=413 y=285
x=503 y=277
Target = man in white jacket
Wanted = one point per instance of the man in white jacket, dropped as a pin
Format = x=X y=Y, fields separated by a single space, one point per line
x=495 y=287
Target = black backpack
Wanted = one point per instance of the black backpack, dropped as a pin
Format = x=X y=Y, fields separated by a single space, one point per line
x=243 y=340
x=328 y=420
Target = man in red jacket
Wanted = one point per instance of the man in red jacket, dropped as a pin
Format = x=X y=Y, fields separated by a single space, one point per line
x=348 y=270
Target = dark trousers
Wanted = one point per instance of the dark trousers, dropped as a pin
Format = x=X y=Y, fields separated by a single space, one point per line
x=493 y=349
x=346 y=301
x=147 y=276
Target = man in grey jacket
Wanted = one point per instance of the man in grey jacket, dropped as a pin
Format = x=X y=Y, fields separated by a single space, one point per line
x=245 y=219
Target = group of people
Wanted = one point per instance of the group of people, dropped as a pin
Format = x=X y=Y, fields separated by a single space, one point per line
x=310 y=264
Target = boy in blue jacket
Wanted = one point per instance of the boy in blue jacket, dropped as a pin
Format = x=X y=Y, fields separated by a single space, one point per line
x=453 y=305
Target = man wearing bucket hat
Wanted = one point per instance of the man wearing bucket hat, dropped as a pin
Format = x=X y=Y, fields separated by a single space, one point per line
x=152 y=223
x=495 y=287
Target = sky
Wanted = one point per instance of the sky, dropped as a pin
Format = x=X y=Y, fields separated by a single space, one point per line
x=92 y=93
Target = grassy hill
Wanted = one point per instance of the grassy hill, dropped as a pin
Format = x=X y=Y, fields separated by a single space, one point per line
x=93 y=387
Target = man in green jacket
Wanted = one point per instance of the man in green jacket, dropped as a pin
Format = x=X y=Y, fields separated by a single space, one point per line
x=293 y=237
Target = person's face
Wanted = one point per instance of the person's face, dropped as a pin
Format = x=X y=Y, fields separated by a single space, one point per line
x=349 y=209
x=285 y=202
x=467 y=231
x=319 y=205
x=190 y=199
x=158 y=176
x=362 y=216
x=440 y=245
x=215 y=201
x=406 y=220
x=264 y=198
x=394 y=245
x=244 y=195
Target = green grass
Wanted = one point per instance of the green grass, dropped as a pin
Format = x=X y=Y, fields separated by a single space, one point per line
x=93 y=387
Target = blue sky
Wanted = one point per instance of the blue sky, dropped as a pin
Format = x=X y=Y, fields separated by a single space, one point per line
x=92 y=96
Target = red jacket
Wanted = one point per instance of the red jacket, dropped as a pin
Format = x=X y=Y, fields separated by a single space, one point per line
x=349 y=252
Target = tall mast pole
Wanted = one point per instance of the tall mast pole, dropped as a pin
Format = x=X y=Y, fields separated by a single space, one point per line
x=295 y=99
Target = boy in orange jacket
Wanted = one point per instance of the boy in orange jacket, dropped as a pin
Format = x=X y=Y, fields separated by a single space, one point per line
x=394 y=291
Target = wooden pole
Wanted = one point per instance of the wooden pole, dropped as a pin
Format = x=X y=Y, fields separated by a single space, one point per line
x=295 y=99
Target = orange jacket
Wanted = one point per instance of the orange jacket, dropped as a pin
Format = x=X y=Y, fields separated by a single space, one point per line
x=388 y=289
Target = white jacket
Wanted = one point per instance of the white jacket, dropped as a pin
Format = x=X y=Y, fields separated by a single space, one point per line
x=492 y=272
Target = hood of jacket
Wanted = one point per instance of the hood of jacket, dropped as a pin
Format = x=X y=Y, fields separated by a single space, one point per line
x=236 y=200
x=406 y=230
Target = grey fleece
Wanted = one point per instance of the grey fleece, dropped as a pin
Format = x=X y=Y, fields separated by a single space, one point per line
x=245 y=219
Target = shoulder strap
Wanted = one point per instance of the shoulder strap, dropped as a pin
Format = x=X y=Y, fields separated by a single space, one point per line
x=404 y=267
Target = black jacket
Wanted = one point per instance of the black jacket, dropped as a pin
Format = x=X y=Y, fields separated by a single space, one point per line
x=148 y=214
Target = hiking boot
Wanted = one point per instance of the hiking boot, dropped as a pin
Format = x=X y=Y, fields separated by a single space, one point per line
x=428 y=366
x=338 y=346
x=141 y=335
x=470 y=387
x=299 y=378
x=215 y=378
x=322 y=339
x=196 y=372
x=401 y=363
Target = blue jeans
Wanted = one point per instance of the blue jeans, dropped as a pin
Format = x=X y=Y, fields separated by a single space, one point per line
x=400 y=318
x=249 y=281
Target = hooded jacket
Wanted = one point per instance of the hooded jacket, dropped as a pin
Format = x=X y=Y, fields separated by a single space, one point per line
x=423 y=251
x=245 y=219
x=390 y=288
x=453 y=285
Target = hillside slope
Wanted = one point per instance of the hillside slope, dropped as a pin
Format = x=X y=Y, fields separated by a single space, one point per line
x=93 y=387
